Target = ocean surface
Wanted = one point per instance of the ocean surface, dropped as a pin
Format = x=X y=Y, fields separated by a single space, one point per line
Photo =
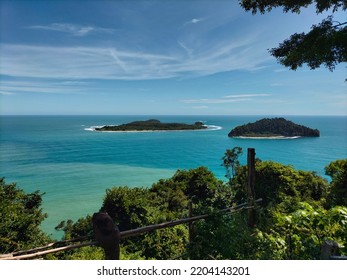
x=74 y=165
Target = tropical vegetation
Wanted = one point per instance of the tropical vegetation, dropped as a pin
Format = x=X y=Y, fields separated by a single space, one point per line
x=298 y=212
x=20 y=215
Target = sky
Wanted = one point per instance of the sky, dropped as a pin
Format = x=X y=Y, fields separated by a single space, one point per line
x=183 y=57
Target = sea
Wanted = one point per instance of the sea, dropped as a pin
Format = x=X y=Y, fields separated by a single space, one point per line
x=73 y=165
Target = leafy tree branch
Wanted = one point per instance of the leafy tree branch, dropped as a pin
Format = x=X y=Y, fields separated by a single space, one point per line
x=325 y=44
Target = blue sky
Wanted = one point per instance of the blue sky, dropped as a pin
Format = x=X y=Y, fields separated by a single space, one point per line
x=156 y=58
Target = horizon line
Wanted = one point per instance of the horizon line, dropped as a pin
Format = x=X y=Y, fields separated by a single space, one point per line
x=226 y=115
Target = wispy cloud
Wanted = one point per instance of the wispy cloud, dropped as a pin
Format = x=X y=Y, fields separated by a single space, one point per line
x=280 y=70
x=189 y=51
x=247 y=95
x=224 y=99
x=213 y=100
x=117 y=60
x=72 y=29
x=200 y=107
x=277 y=84
x=44 y=86
x=81 y=62
x=6 y=92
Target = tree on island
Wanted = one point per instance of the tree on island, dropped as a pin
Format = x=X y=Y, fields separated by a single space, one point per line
x=270 y=127
x=326 y=43
x=151 y=125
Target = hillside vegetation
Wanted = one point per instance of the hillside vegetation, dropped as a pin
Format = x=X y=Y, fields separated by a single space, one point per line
x=299 y=211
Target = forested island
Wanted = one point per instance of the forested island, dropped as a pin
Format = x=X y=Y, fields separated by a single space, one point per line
x=273 y=127
x=151 y=125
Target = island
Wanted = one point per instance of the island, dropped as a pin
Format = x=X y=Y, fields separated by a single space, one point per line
x=151 y=125
x=273 y=128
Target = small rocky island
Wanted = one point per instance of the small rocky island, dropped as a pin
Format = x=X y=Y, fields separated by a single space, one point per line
x=273 y=128
x=151 y=125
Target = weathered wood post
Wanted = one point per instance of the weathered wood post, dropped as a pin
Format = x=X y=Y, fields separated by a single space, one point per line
x=251 y=186
x=107 y=235
x=329 y=248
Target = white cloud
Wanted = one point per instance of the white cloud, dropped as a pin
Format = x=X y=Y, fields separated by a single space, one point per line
x=225 y=99
x=6 y=92
x=214 y=100
x=195 y=21
x=80 y=62
x=72 y=29
x=247 y=95
x=44 y=86
x=200 y=107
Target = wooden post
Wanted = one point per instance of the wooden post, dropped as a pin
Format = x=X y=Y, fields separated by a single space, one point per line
x=329 y=248
x=107 y=235
x=251 y=186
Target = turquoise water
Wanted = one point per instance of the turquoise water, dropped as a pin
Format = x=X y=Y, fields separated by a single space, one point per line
x=74 y=166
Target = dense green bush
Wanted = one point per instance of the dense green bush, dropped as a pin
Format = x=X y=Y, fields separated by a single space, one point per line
x=293 y=219
x=337 y=170
x=166 y=200
x=20 y=216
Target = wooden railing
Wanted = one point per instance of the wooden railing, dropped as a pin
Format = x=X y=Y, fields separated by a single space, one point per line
x=107 y=235
x=114 y=248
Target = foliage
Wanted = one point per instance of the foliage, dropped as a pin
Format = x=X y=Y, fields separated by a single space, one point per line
x=292 y=222
x=291 y=6
x=219 y=237
x=292 y=235
x=299 y=211
x=324 y=44
x=129 y=207
x=197 y=185
x=231 y=161
x=276 y=183
x=308 y=226
x=83 y=227
x=84 y=253
x=166 y=200
x=20 y=216
x=164 y=244
x=337 y=170
x=137 y=207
